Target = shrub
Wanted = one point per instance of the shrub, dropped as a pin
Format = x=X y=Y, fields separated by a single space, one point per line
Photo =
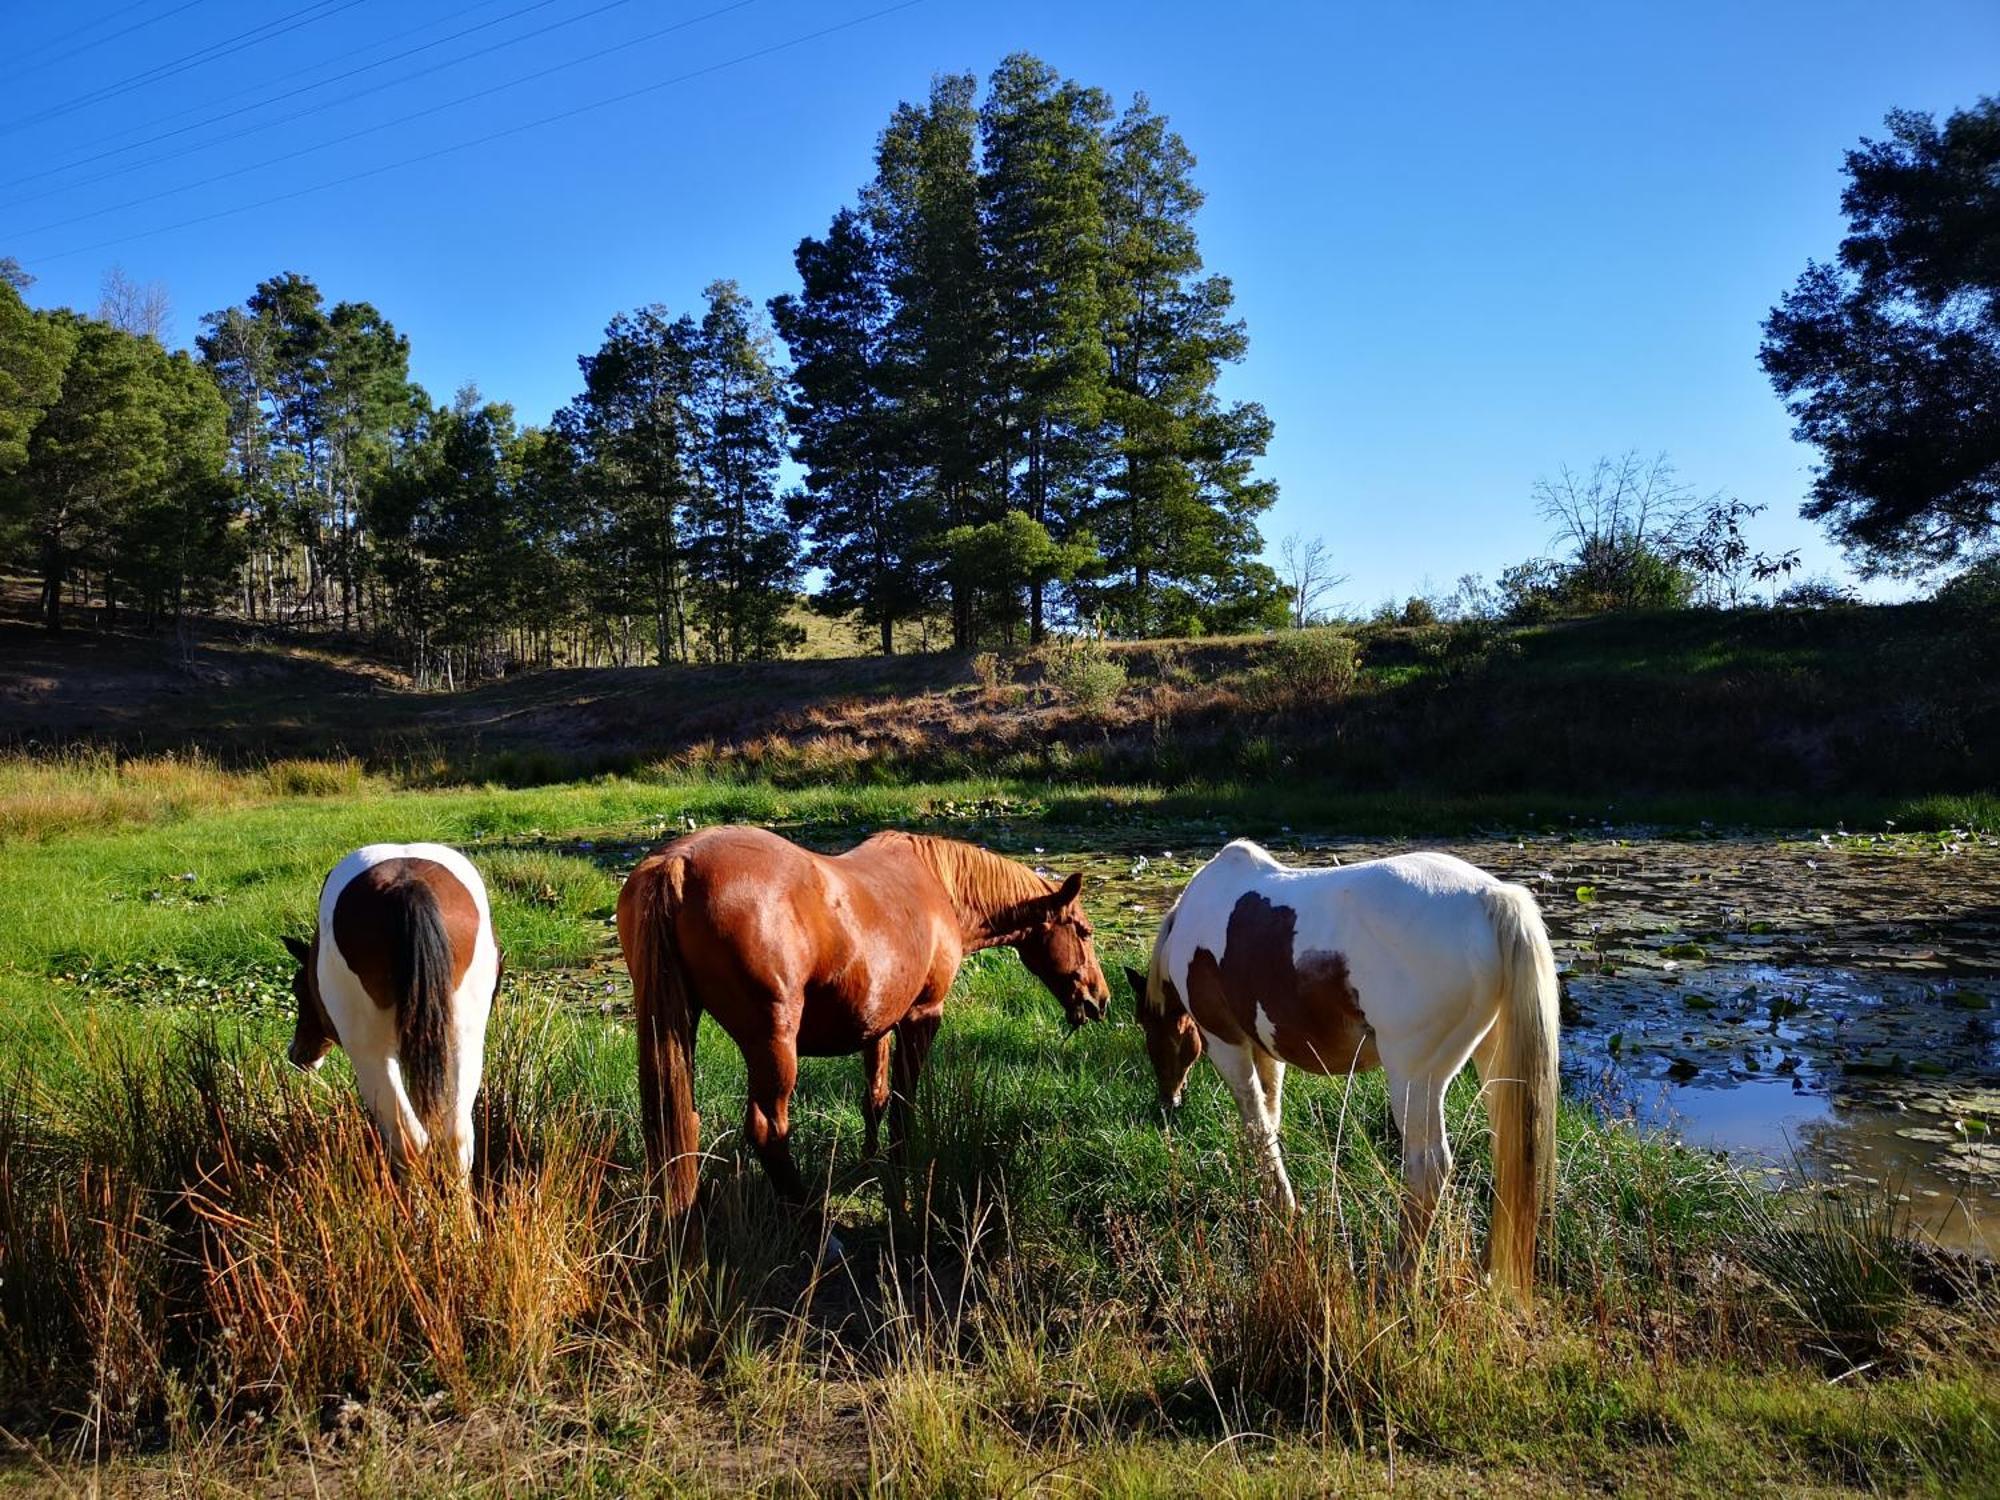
x=1418 y=612
x=1817 y=593
x=1974 y=588
x=990 y=670
x=1320 y=664
x=1084 y=673
x=1465 y=646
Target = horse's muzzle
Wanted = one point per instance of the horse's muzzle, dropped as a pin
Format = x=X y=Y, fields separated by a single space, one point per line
x=1085 y=1008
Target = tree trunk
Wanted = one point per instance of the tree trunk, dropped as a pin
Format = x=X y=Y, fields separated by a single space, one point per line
x=52 y=581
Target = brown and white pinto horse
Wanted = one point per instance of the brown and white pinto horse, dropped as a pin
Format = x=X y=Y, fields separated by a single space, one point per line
x=401 y=972
x=798 y=954
x=1413 y=964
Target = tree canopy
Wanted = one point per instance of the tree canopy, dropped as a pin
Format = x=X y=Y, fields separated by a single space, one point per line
x=1000 y=402
x=1889 y=359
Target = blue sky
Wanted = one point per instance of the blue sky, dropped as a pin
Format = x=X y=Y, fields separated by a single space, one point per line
x=1471 y=243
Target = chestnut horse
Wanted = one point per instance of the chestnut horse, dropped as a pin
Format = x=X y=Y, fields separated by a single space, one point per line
x=401 y=972
x=1413 y=964
x=798 y=954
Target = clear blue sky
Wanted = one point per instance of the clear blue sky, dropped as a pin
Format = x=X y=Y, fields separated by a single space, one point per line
x=1471 y=242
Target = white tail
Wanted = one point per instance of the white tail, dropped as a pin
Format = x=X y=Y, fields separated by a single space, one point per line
x=1521 y=1093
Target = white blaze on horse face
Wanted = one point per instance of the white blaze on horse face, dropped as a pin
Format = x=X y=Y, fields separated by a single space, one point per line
x=368 y=1033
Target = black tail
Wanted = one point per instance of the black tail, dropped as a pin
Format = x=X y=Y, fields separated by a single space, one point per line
x=421 y=970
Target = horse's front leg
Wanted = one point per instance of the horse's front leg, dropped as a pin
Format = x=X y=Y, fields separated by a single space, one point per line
x=1271 y=1082
x=914 y=1035
x=1243 y=1071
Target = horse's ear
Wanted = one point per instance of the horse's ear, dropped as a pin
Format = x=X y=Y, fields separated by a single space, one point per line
x=1071 y=889
x=1137 y=979
x=298 y=947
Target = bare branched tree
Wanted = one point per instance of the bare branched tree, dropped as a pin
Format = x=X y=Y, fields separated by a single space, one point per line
x=142 y=309
x=1305 y=567
x=1621 y=500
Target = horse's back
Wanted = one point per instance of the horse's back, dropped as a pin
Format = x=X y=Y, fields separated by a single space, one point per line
x=757 y=919
x=364 y=901
x=1323 y=952
x=375 y=904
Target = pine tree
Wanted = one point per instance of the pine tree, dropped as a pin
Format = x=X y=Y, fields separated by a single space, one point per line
x=1042 y=192
x=1177 y=513
x=857 y=505
x=314 y=396
x=175 y=548
x=922 y=211
x=127 y=431
x=34 y=350
x=742 y=559
x=632 y=429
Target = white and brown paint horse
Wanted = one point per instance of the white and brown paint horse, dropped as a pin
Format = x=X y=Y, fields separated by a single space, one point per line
x=1414 y=964
x=401 y=972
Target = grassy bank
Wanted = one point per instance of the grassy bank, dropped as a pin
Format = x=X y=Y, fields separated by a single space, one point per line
x=1876 y=704
x=209 y=1283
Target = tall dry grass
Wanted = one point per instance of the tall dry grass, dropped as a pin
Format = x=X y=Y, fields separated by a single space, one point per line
x=84 y=788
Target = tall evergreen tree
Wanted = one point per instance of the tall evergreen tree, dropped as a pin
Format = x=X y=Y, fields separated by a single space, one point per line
x=314 y=395
x=176 y=547
x=1177 y=513
x=34 y=350
x=632 y=427
x=923 y=214
x=126 y=430
x=742 y=559
x=857 y=505
x=1042 y=191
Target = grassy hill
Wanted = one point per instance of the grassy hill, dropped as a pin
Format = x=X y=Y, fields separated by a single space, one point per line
x=1881 y=701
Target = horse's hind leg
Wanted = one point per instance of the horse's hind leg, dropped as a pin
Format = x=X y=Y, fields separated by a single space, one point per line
x=1418 y=1105
x=773 y=1069
x=874 y=1089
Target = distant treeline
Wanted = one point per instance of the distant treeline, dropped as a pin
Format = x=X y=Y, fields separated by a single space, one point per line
x=1000 y=386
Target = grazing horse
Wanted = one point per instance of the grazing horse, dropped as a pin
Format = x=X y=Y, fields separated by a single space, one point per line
x=1412 y=964
x=401 y=971
x=798 y=954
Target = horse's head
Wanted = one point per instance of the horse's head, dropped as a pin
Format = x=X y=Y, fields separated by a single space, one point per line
x=1057 y=950
x=313 y=1035
x=1173 y=1041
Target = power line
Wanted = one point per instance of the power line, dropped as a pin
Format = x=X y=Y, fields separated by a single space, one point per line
x=320 y=108
x=17 y=70
x=228 y=46
x=319 y=64
x=282 y=94
x=497 y=135
x=390 y=124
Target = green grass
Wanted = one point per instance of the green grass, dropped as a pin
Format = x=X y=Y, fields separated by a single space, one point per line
x=1064 y=1295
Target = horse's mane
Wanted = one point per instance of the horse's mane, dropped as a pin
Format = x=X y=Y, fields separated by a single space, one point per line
x=1158 y=1007
x=983 y=884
